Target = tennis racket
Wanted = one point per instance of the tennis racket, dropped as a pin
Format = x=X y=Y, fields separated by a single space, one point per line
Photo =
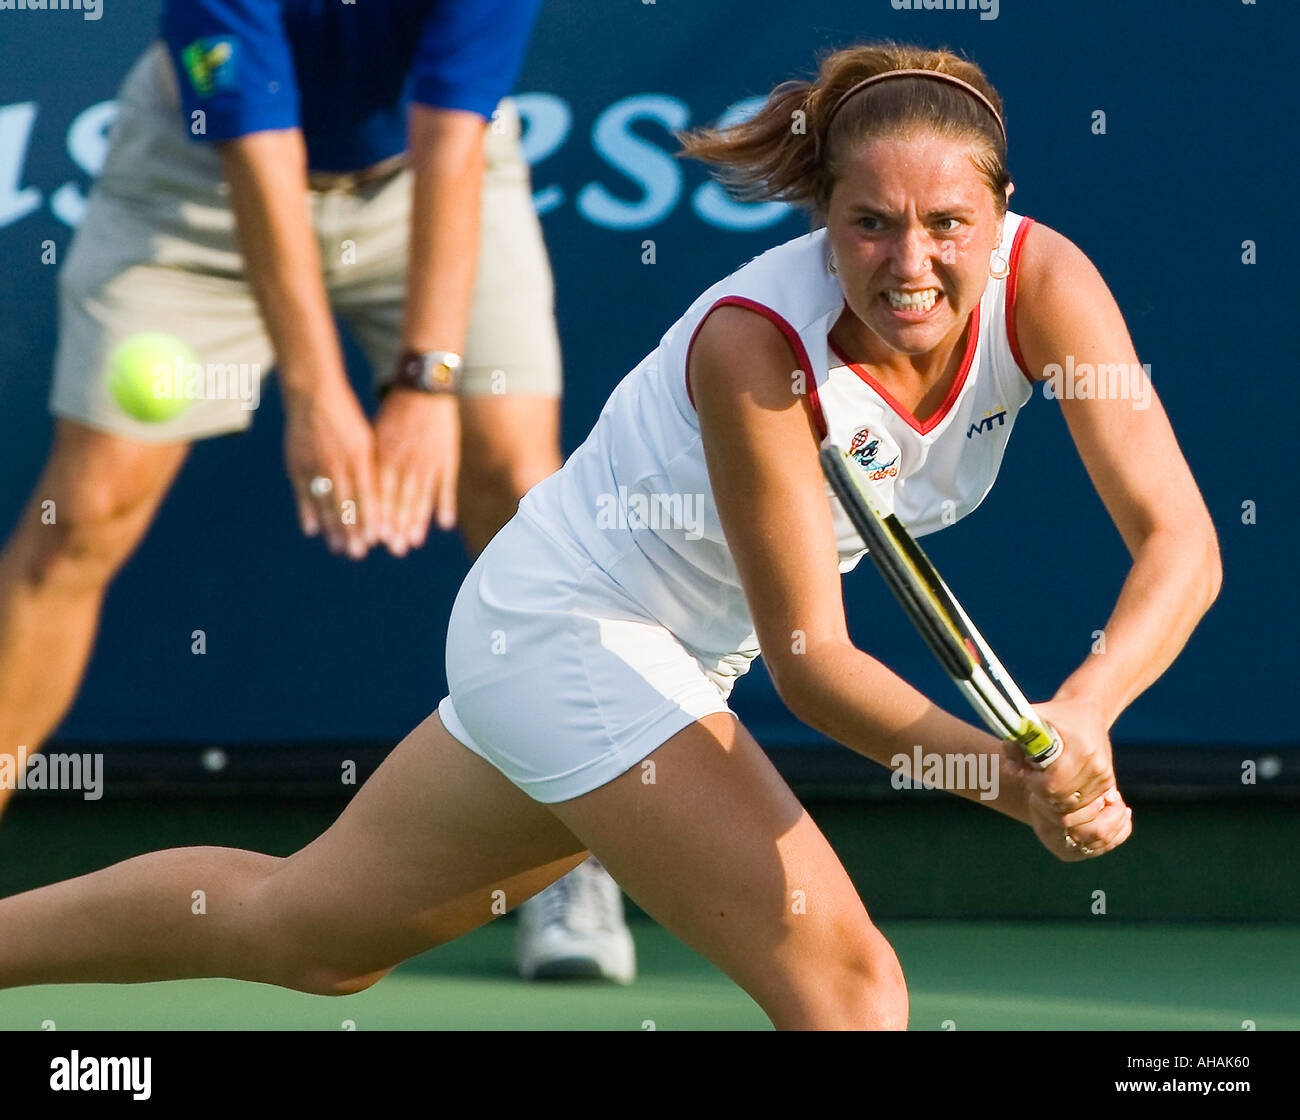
x=935 y=612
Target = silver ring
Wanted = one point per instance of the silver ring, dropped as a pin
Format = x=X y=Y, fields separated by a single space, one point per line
x=1070 y=839
x=320 y=486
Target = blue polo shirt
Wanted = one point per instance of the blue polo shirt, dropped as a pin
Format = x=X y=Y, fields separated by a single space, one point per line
x=343 y=71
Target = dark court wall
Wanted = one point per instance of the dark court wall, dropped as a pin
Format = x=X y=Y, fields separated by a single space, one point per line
x=1196 y=159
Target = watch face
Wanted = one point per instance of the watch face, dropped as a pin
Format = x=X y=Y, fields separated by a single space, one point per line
x=434 y=372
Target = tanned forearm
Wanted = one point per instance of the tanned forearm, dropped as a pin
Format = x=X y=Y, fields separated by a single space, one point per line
x=267 y=173
x=447 y=164
x=852 y=698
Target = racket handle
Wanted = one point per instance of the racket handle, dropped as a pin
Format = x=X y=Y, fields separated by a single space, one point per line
x=1041 y=743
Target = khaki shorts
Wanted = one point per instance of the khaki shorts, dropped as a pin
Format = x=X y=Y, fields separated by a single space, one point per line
x=156 y=252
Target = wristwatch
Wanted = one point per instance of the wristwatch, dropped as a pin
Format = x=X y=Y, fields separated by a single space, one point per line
x=429 y=371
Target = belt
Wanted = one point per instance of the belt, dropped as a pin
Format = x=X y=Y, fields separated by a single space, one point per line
x=351 y=180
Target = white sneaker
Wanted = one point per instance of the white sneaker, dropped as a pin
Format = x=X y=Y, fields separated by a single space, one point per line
x=575 y=929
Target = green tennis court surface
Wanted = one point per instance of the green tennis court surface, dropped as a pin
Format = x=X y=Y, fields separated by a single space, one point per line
x=969 y=975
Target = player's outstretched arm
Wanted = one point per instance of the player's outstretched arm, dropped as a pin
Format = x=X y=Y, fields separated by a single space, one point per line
x=1073 y=337
x=761 y=451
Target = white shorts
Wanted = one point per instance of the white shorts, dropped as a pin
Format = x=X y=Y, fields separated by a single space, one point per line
x=557 y=678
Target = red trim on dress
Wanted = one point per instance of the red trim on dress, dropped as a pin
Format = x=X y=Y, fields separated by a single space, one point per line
x=967 y=360
x=1013 y=263
x=791 y=336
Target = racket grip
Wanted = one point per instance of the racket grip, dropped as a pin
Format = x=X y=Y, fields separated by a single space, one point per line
x=1041 y=743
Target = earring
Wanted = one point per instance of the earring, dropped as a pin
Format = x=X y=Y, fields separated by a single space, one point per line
x=999 y=267
x=831 y=266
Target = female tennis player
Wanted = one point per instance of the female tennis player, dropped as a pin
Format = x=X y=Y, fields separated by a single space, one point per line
x=593 y=645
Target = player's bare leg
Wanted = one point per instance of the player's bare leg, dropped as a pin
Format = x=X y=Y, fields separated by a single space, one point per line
x=508 y=445
x=716 y=847
x=417 y=858
x=710 y=841
x=58 y=563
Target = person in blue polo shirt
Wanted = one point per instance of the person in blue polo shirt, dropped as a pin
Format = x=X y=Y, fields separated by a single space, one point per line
x=275 y=164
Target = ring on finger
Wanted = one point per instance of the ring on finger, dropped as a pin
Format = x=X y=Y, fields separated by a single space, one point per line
x=1070 y=839
x=320 y=486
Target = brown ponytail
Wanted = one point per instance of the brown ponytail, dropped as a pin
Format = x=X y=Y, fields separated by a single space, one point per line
x=793 y=148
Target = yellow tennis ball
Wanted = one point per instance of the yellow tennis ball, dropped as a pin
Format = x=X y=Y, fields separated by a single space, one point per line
x=147 y=375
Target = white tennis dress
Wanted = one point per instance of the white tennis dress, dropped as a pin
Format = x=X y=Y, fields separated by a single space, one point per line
x=608 y=614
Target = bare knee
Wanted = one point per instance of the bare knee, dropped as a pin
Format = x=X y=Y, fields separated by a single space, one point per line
x=83 y=548
x=876 y=994
x=335 y=982
x=501 y=480
x=490 y=489
x=305 y=939
x=92 y=504
x=857 y=986
x=325 y=974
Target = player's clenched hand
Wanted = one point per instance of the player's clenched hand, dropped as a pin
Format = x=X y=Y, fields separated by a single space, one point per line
x=417 y=454
x=1084 y=770
x=1086 y=832
x=329 y=450
x=1075 y=806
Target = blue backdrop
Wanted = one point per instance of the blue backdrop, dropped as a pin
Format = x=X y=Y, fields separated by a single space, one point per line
x=301 y=645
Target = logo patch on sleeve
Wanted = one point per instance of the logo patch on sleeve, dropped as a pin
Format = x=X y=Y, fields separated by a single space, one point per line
x=210 y=64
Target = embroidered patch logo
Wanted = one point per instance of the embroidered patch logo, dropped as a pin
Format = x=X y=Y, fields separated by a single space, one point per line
x=210 y=64
x=865 y=449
